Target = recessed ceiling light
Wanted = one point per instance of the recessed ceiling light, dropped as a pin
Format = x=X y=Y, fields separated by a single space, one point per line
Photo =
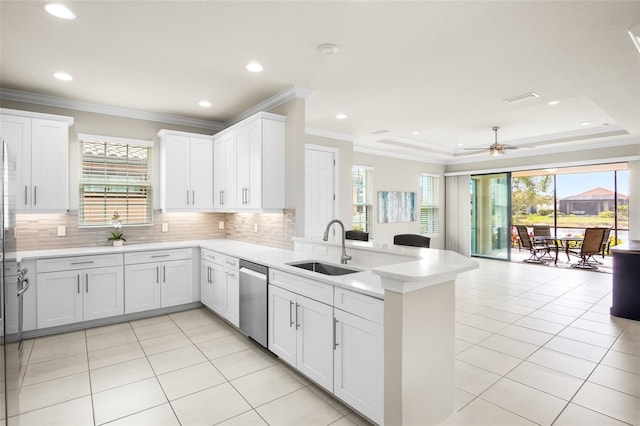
x=204 y=104
x=552 y=103
x=416 y=133
x=328 y=48
x=460 y=144
x=585 y=123
x=341 y=116
x=63 y=76
x=254 y=67
x=59 y=11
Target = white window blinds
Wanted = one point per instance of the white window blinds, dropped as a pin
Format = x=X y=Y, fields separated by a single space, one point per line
x=116 y=177
x=362 y=198
x=429 y=204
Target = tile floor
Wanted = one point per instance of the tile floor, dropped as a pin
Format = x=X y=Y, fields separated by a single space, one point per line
x=534 y=345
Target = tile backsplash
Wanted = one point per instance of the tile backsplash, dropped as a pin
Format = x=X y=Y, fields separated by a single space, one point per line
x=40 y=231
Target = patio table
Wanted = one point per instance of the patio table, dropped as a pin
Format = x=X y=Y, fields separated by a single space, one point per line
x=560 y=242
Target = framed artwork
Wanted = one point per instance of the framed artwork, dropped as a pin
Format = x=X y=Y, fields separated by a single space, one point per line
x=396 y=207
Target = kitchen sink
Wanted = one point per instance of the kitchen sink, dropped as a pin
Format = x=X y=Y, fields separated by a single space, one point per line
x=324 y=268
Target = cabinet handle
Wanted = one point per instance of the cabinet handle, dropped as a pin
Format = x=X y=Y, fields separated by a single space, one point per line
x=231 y=274
x=297 y=323
x=86 y=262
x=26 y=190
x=222 y=196
x=155 y=256
x=164 y=274
x=187 y=197
x=290 y=313
x=86 y=282
x=35 y=195
x=335 y=334
x=193 y=197
x=157 y=275
x=78 y=283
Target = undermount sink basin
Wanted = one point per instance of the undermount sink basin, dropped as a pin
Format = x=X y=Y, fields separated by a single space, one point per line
x=324 y=268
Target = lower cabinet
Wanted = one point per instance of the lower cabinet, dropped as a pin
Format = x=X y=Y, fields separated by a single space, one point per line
x=75 y=295
x=301 y=334
x=220 y=285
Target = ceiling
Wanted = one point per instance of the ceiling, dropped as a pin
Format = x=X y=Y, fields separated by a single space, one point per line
x=442 y=69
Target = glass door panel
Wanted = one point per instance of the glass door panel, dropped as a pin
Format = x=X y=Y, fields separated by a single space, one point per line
x=491 y=216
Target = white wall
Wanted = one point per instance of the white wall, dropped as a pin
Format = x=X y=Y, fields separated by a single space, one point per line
x=392 y=174
x=634 y=200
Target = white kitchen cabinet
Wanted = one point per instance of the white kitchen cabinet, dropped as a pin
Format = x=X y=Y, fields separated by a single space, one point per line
x=301 y=334
x=80 y=288
x=186 y=172
x=220 y=285
x=232 y=290
x=39 y=148
x=249 y=163
x=157 y=279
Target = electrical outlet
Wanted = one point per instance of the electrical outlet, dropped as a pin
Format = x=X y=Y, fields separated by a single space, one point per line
x=221 y=224
x=255 y=227
x=62 y=231
x=165 y=227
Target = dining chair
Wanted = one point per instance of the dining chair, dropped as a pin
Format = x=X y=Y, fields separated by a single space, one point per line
x=412 y=240
x=356 y=235
x=537 y=248
x=591 y=245
x=544 y=230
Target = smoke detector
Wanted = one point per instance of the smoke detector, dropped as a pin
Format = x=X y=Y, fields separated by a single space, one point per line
x=328 y=48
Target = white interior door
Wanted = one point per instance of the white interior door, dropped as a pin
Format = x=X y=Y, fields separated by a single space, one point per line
x=319 y=191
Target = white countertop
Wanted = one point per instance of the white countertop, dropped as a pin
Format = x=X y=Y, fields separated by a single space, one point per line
x=630 y=247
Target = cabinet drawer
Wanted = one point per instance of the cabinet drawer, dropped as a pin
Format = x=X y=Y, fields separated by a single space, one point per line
x=212 y=256
x=78 y=262
x=156 y=256
x=231 y=263
x=364 y=306
x=312 y=289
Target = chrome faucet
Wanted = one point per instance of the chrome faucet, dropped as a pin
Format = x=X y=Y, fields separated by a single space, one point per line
x=345 y=257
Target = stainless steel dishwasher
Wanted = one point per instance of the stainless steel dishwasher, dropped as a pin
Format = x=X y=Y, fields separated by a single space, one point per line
x=253 y=301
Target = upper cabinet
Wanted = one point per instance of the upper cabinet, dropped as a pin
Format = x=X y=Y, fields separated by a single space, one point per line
x=186 y=171
x=38 y=148
x=249 y=165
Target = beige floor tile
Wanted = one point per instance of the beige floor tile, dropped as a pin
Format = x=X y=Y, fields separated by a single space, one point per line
x=115 y=355
x=540 y=325
x=563 y=310
x=77 y=412
x=105 y=329
x=103 y=341
x=489 y=360
x=610 y=329
x=575 y=415
x=48 y=393
x=120 y=374
x=627 y=346
x=580 y=349
x=500 y=315
x=514 y=308
x=145 y=322
x=508 y=346
x=58 y=350
x=607 y=401
x=563 y=363
x=622 y=361
x=586 y=336
x=59 y=338
x=480 y=412
x=632 y=332
x=223 y=346
x=358 y=420
x=186 y=381
x=297 y=408
x=526 y=335
x=547 y=380
x=191 y=314
x=532 y=404
x=243 y=363
x=329 y=399
x=462 y=398
x=552 y=317
x=176 y=359
x=473 y=379
x=165 y=343
x=619 y=380
x=210 y=406
x=250 y=418
x=461 y=346
x=55 y=369
x=343 y=422
x=488 y=324
x=161 y=415
x=122 y=401
x=191 y=323
x=470 y=334
x=266 y=385
x=156 y=330
x=209 y=332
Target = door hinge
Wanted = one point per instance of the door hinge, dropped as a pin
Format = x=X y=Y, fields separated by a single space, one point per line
x=334 y=197
x=334 y=163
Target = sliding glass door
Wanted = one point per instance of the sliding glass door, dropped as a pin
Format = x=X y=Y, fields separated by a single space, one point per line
x=491 y=215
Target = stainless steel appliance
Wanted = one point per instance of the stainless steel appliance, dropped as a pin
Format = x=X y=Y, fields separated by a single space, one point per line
x=253 y=301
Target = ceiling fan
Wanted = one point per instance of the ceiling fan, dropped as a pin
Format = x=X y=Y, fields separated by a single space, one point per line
x=496 y=148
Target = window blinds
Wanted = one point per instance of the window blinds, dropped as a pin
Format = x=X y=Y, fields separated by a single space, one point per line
x=116 y=177
x=362 y=198
x=429 y=204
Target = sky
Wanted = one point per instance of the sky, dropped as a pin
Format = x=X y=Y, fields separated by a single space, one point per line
x=574 y=184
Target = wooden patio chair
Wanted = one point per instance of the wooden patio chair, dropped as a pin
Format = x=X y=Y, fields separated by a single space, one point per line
x=591 y=245
x=537 y=248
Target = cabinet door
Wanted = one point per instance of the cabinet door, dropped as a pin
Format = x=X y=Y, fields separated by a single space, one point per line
x=206 y=284
x=358 y=363
x=229 y=197
x=177 y=285
x=49 y=165
x=249 y=165
x=59 y=298
x=282 y=326
x=176 y=191
x=219 y=171
x=232 y=297
x=16 y=132
x=201 y=153
x=219 y=289
x=142 y=288
x=314 y=321
x=103 y=292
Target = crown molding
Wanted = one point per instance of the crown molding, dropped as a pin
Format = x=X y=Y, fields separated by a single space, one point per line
x=54 y=101
x=268 y=104
x=329 y=134
x=415 y=158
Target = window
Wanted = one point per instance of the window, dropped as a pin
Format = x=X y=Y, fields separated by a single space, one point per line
x=362 y=198
x=116 y=177
x=429 y=204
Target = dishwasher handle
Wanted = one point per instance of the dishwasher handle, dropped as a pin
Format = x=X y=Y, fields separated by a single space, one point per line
x=258 y=275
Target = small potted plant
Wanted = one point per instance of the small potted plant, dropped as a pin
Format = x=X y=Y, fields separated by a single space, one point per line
x=116 y=235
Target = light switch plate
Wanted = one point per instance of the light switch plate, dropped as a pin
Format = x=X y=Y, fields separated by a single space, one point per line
x=221 y=224
x=165 y=227
x=62 y=231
